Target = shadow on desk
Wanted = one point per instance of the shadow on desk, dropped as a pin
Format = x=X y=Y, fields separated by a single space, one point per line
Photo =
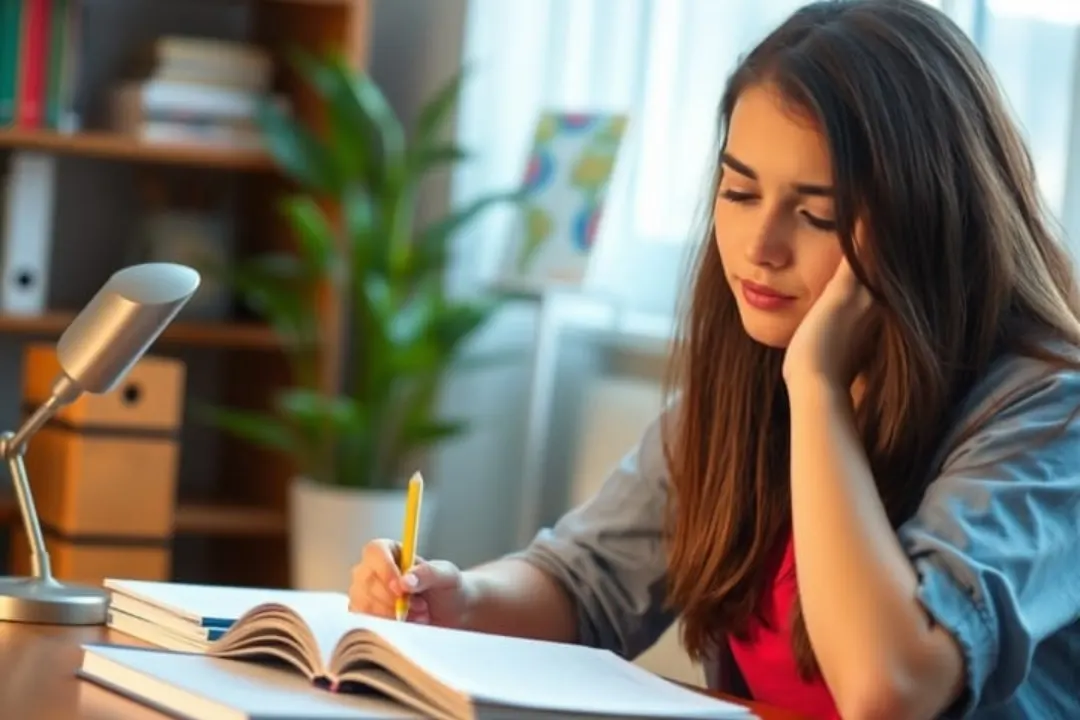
x=39 y=682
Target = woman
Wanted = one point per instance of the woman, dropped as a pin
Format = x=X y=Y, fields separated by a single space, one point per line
x=865 y=499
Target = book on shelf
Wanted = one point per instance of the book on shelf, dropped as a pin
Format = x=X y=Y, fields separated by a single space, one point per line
x=434 y=672
x=39 y=46
x=196 y=91
x=211 y=62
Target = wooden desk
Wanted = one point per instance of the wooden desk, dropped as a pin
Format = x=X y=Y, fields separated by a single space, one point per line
x=38 y=680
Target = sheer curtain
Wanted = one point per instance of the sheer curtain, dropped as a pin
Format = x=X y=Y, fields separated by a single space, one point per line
x=665 y=62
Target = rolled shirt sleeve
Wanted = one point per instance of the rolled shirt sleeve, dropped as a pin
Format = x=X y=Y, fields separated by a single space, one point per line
x=996 y=540
x=609 y=553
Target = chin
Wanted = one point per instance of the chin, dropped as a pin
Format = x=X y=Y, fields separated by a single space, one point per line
x=769 y=338
x=768 y=332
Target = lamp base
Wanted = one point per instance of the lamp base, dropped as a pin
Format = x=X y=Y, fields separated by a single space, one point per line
x=35 y=600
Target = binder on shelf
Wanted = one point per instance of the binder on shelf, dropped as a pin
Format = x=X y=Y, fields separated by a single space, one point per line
x=28 y=231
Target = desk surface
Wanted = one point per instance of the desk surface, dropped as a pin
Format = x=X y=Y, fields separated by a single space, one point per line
x=38 y=680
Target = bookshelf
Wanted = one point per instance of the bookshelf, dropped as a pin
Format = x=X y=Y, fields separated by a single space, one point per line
x=114 y=146
x=232 y=335
x=230 y=522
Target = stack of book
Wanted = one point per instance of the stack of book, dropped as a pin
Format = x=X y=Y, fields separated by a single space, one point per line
x=293 y=654
x=189 y=617
x=191 y=90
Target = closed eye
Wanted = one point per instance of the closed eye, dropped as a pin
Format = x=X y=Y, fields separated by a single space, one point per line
x=736 y=196
x=819 y=223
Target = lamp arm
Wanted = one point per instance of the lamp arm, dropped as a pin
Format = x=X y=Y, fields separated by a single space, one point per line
x=63 y=392
x=40 y=567
x=12 y=447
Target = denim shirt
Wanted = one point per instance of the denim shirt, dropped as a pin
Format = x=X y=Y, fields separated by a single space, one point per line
x=995 y=542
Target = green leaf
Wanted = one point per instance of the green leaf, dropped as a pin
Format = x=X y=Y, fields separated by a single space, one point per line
x=278 y=286
x=438 y=109
x=364 y=124
x=314 y=409
x=430 y=432
x=362 y=229
x=353 y=135
x=434 y=241
x=427 y=159
x=455 y=323
x=295 y=149
x=412 y=320
x=315 y=237
x=254 y=427
x=373 y=315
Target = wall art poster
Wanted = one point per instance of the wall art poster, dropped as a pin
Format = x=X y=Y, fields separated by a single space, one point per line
x=566 y=181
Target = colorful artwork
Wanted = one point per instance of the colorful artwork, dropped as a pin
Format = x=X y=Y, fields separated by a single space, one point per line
x=566 y=181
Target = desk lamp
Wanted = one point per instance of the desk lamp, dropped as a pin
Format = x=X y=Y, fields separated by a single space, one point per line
x=96 y=351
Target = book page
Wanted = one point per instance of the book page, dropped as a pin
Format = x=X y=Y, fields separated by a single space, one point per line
x=514 y=672
x=304 y=632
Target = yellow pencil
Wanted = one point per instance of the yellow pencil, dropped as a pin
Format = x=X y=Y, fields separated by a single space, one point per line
x=409 y=536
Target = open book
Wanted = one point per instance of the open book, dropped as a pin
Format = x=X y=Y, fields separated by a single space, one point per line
x=455 y=674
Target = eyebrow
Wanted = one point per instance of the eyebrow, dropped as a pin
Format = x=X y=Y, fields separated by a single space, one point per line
x=802 y=188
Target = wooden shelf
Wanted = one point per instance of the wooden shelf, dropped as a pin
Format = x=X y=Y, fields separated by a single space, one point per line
x=120 y=147
x=193 y=519
x=240 y=336
x=225 y=520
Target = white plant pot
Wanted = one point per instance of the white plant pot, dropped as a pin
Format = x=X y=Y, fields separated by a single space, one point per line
x=329 y=527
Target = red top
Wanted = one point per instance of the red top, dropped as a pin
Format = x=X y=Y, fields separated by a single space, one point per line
x=765 y=657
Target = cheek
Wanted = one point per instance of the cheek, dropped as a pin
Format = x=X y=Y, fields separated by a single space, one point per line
x=723 y=227
x=819 y=268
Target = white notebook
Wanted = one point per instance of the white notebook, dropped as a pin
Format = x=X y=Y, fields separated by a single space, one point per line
x=198 y=687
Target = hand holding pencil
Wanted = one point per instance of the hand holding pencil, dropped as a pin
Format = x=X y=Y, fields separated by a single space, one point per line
x=392 y=581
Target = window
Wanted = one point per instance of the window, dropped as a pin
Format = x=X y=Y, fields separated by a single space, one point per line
x=1031 y=46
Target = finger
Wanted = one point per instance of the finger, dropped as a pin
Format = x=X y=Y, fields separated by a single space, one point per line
x=381 y=557
x=358 y=586
x=369 y=588
x=426 y=575
x=373 y=598
x=409 y=582
x=380 y=595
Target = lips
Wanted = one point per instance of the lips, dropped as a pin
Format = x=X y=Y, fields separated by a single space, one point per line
x=763 y=297
x=765 y=291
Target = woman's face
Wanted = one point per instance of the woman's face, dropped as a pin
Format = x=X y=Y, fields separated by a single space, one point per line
x=773 y=215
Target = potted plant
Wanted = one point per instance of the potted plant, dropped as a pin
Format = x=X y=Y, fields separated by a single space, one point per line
x=354 y=216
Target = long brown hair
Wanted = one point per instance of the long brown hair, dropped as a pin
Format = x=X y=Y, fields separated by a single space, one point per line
x=962 y=263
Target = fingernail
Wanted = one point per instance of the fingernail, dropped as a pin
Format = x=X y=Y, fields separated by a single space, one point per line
x=409 y=580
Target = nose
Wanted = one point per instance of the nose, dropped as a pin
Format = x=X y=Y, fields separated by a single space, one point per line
x=769 y=243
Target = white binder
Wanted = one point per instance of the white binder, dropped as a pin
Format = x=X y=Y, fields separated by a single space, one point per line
x=28 y=230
